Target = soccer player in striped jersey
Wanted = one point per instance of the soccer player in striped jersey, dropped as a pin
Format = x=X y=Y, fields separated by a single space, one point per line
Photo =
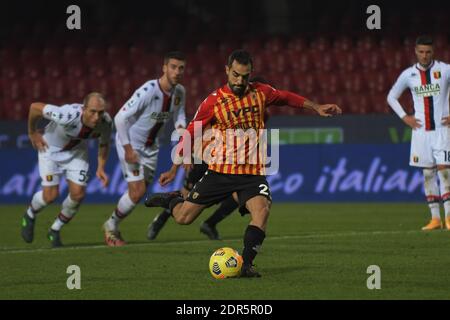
x=193 y=174
x=63 y=150
x=139 y=123
x=239 y=104
x=428 y=80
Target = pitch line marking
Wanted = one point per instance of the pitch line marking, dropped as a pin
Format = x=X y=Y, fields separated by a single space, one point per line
x=6 y=250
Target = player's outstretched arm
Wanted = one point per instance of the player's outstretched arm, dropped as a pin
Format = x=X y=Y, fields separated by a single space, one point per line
x=324 y=110
x=35 y=114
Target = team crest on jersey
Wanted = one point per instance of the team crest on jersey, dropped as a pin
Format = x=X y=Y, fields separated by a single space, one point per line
x=415 y=159
x=437 y=74
x=195 y=195
x=177 y=100
x=49 y=178
x=135 y=173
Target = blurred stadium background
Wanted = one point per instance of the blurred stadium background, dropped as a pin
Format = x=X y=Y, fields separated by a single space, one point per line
x=321 y=49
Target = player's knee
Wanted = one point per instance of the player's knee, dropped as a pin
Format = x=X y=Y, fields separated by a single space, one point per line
x=183 y=217
x=77 y=196
x=136 y=193
x=50 y=195
x=429 y=174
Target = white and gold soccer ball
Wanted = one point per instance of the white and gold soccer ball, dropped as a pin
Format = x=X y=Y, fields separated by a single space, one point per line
x=225 y=263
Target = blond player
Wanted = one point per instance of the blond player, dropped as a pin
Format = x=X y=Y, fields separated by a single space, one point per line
x=62 y=150
x=428 y=80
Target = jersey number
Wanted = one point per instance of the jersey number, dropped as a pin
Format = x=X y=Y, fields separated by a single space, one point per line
x=83 y=175
x=264 y=189
x=447 y=156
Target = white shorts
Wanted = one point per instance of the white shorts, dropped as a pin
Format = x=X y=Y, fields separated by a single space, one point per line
x=144 y=169
x=430 y=148
x=73 y=164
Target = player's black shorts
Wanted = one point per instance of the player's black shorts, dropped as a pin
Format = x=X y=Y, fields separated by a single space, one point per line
x=195 y=174
x=215 y=187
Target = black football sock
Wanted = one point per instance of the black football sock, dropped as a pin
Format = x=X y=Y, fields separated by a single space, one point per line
x=253 y=240
x=163 y=216
x=226 y=207
x=174 y=202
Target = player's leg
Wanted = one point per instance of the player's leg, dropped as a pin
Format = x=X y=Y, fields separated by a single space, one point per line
x=422 y=156
x=444 y=179
x=441 y=152
x=254 y=198
x=135 y=176
x=208 y=227
x=40 y=200
x=255 y=233
x=432 y=194
x=49 y=172
x=76 y=173
x=183 y=211
x=160 y=220
x=211 y=189
x=126 y=204
x=69 y=208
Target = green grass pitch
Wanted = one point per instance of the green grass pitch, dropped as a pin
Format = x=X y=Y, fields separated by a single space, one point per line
x=312 y=251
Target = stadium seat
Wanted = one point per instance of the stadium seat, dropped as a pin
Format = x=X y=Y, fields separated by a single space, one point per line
x=380 y=105
x=348 y=61
x=305 y=85
x=320 y=44
x=15 y=109
x=353 y=82
x=13 y=88
x=357 y=103
x=377 y=82
x=342 y=44
x=371 y=60
x=328 y=83
x=323 y=61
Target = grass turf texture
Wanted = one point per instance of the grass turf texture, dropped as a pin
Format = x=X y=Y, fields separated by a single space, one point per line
x=312 y=251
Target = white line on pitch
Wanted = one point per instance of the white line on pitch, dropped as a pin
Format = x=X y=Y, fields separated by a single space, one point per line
x=307 y=236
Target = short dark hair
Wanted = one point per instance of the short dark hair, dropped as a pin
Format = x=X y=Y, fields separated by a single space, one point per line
x=424 y=40
x=241 y=56
x=177 y=55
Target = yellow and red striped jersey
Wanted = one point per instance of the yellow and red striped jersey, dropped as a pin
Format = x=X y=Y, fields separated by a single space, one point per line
x=233 y=119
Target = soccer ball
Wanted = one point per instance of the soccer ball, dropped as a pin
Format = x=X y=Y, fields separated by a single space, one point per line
x=225 y=263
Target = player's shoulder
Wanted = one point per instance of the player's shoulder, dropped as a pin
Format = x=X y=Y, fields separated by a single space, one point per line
x=65 y=114
x=212 y=98
x=179 y=89
x=107 y=119
x=264 y=87
x=148 y=88
x=442 y=65
x=411 y=71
